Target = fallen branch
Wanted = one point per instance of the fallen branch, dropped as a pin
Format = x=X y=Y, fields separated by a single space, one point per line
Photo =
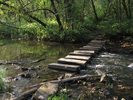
x=26 y=94
x=34 y=88
x=68 y=79
x=21 y=63
x=65 y=80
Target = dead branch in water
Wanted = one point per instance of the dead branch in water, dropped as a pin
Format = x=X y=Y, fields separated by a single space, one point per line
x=21 y=63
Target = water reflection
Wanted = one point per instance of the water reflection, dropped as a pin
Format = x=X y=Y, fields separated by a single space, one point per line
x=27 y=52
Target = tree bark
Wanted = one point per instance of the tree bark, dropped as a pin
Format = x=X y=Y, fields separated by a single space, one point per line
x=125 y=8
x=129 y=9
x=57 y=16
x=119 y=11
x=94 y=10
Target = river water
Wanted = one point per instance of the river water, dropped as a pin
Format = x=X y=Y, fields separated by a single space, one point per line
x=29 y=51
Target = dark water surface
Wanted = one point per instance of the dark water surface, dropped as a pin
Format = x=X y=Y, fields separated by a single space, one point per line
x=27 y=52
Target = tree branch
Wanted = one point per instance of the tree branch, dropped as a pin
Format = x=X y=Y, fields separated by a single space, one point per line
x=11 y=25
x=41 y=9
x=36 y=19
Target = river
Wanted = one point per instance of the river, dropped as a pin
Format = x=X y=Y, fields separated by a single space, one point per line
x=29 y=51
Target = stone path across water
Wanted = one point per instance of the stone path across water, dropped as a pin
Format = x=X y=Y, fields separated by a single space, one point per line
x=77 y=60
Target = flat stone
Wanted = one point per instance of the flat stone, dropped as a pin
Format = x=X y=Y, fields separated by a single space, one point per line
x=93 y=47
x=95 y=44
x=80 y=54
x=97 y=41
x=86 y=58
x=66 y=67
x=96 y=50
x=73 y=61
x=46 y=90
x=85 y=51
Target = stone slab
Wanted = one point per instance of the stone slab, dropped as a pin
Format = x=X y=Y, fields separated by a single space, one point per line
x=86 y=58
x=95 y=44
x=92 y=46
x=66 y=67
x=85 y=51
x=73 y=61
x=97 y=41
x=80 y=54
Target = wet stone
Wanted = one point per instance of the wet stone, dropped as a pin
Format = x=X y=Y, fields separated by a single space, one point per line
x=68 y=75
x=38 y=76
x=22 y=75
x=46 y=90
x=23 y=69
x=27 y=75
x=6 y=68
x=38 y=67
x=31 y=68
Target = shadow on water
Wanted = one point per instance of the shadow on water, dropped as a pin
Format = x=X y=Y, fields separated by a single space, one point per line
x=27 y=52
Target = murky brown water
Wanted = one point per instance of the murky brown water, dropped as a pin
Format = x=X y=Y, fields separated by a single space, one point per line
x=29 y=51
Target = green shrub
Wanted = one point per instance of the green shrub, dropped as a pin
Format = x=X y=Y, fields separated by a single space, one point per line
x=116 y=31
x=3 y=85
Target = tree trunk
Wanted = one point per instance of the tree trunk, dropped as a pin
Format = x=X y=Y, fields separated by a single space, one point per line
x=119 y=11
x=129 y=9
x=94 y=10
x=125 y=8
x=57 y=16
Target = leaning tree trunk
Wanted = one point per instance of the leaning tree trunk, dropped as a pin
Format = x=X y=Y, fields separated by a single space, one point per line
x=129 y=9
x=125 y=8
x=119 y=11
x=94 y=10
x=57 y=16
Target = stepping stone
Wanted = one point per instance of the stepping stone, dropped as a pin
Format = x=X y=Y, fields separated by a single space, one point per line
x=85 y=51
x=95 y=44
x=73 y=61
x=74 y=68
x=97 y=41
x=86 y=58
x=96 y=47
x=90 y=49
x=81 y=54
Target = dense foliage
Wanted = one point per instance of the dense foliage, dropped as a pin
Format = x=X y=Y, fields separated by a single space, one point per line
x=66 y=20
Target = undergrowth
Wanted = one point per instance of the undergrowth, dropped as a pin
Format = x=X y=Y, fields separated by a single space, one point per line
x=3 y=86
x=115 y=31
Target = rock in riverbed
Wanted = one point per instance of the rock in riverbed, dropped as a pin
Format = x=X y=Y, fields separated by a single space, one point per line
x=46 y=90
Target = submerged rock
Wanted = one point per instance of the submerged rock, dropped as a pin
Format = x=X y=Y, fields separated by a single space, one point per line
x=25 y=75
x=23 y=69
x=31 y=68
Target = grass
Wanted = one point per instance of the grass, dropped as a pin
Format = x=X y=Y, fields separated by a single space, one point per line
x=59 y=96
